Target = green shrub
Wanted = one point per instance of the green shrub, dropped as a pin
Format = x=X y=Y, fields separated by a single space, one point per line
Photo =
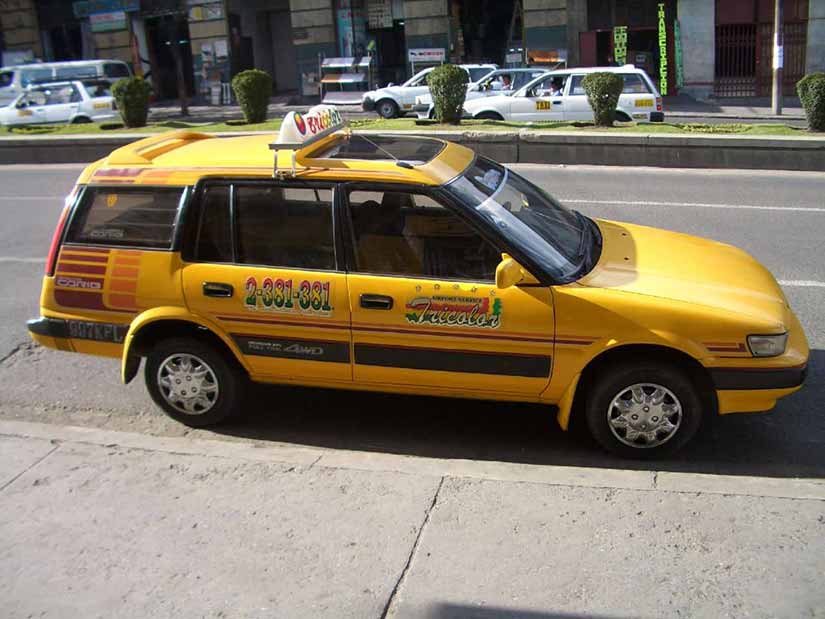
x=448 y=86
x=252 y=90
x=603 y=90
x=132 y=98
x=811 y=91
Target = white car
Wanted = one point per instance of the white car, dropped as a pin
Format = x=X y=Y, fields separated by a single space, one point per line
x=559 y=95
x=393 y=101
x=61 y=102
x=499 y=82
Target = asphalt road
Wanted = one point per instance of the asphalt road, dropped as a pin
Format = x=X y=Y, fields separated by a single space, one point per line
x=777 y=216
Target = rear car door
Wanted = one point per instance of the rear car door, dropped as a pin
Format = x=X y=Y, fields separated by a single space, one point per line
x=576 y=105
x=425 y=308
x=260 y=261
x=62 y=103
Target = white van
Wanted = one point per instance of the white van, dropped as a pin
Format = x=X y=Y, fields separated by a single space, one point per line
x=15 y=80
x=559 y=95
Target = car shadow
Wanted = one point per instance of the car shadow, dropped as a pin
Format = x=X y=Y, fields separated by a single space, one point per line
x=788 y=442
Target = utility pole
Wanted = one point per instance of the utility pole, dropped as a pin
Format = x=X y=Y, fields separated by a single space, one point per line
x=778 y=57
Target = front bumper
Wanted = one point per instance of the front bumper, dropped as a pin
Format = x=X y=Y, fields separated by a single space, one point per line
x=748 y=379
x=367 y=104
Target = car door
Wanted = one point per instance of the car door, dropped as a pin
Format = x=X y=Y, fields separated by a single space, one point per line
x=576 y=105
x=417 y=87
x=30 y=109
x=537 y=104
x=425 y=308
x=260 y=262
x=62 y=103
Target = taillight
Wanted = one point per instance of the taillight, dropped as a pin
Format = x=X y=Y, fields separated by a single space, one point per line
x=658 y=104
x=54 y=248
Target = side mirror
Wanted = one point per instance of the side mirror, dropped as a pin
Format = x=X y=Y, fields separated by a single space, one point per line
x=511 y=273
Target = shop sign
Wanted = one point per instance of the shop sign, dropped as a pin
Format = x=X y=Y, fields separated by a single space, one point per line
x=427 y=54
x=620 y=45
x=88 y=7
x=204 y=11
x=662 y=50
x=108 y=22
x=379 y=14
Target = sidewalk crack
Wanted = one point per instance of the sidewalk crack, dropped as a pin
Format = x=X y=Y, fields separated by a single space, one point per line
x=655 y=479
x=30 y=467
x=13 y=352
x=413 y=551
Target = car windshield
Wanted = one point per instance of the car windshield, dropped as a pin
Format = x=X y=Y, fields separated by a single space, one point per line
x=559 y=239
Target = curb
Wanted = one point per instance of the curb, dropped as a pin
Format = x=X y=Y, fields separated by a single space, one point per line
x=805 y=153
x=573 y=476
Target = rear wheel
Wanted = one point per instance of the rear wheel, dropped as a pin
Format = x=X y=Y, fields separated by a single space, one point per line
x=192 y=382
x=489 y=116
x=387 y=108
x=643 y=411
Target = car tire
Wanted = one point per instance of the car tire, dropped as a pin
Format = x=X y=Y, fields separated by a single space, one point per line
x=489 y=116
x=387 y=108
x=192 y=382
x=81 y=120
x=643 y=411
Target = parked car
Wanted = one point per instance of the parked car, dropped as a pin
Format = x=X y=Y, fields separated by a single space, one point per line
x=408 y=265
x=15 y=80
x=393 y=101
x=499 y=82
x=61 y=102
x=535 y=101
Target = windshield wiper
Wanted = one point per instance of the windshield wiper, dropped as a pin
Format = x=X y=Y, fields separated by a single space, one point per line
x=586 y=237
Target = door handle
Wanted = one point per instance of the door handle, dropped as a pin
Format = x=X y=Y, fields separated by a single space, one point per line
x=376 y=301
x=557 y=101
x=217 y=289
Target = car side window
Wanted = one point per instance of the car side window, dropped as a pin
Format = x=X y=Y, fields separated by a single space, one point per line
x=115 y=69
x=34 y=99
x=410 y=234
x=576 y=87
x=284 y=226
x=213 y=241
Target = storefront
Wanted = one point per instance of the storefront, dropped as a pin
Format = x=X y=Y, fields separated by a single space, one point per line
x=644 y=35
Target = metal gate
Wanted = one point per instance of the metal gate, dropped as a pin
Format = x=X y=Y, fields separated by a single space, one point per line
x=744 y=55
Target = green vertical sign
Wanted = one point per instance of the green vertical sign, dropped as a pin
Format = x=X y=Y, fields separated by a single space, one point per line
x=620 y=45
x=662 y=50
x=677 y=51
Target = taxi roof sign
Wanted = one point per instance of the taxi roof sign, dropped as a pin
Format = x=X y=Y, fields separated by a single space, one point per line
x=301 y=130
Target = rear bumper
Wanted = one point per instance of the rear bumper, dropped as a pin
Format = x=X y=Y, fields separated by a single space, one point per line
x=48 y=327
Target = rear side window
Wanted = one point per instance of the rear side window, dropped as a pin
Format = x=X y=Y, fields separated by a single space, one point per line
x=214 y=238
x=284 y=226
x=6 y=79
x=76 y=72
x=130 y=217
x=30 y=76
x=115 y=69
x=634 y=84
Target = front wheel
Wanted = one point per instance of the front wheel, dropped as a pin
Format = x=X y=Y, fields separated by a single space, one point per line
x=387 y=108
x=643 y=411
x=192 y=382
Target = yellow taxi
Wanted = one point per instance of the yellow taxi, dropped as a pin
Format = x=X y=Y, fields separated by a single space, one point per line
x=404 y=265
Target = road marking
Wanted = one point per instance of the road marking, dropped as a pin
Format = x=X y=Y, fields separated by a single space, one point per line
x=801 y=283
x=804 y=209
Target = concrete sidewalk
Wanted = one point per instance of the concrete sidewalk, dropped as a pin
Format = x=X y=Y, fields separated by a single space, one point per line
x=97 y=522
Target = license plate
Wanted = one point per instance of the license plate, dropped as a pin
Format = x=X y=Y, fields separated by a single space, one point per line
x=543 y=105
x=644 y=102
x=101 y=106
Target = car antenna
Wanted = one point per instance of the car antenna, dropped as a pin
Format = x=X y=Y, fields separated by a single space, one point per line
x=398 y=162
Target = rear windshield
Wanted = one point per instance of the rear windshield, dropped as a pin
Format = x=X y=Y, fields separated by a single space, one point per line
x=382 y=148
x=119 y=216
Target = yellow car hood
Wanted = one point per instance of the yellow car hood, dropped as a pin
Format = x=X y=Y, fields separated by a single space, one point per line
x=686 y=268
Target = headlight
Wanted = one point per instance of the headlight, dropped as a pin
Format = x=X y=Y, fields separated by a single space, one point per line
x=767 y=345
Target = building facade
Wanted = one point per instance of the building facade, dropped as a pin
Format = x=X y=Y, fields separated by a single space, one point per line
x=699 y=47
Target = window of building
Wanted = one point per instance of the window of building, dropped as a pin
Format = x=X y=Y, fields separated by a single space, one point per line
x=138 y=218
x=284 y=226
x=399 y=233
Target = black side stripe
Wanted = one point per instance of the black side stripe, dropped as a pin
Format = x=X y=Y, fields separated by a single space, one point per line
x=758 y=378
x=306 y=350
x=502 y=364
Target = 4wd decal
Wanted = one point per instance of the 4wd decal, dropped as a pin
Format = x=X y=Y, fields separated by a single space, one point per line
x=307 y=350
x=283 y=295
x=454 y=312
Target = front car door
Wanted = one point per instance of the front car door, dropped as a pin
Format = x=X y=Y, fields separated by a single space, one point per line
x=537 y=103
x=261 y=262
x=425 y=308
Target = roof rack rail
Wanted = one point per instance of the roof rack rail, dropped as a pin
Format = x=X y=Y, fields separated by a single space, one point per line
x=144 y=151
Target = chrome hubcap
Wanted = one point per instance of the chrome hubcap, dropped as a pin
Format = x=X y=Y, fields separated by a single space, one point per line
x=188 y=384
x=644 y=415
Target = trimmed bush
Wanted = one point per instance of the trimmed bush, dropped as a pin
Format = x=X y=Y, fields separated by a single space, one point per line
x=252 y=90
x=132 y=98
x=603 y=90
x=448 y=86
x=811 y=91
